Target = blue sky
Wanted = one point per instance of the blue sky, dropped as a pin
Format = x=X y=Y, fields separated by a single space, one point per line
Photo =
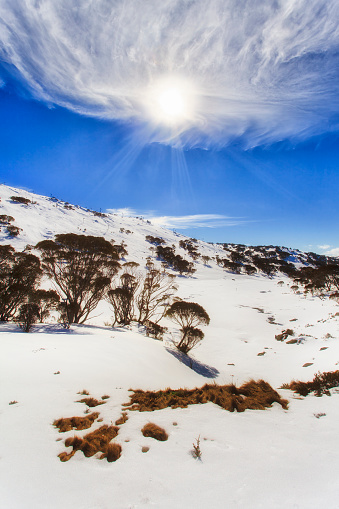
x=218 y=121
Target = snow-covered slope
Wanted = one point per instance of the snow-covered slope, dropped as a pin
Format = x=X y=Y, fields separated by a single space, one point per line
x=257 y=459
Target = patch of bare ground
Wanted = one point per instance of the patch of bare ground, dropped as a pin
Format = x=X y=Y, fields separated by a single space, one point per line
x=255 y=395
x=78 y=423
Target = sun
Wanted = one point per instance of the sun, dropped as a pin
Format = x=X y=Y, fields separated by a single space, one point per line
x=171 y=101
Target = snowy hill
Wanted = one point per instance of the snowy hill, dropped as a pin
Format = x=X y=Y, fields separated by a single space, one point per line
x=274 y=458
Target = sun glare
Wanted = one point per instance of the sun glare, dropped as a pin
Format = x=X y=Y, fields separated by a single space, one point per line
x=171 y=101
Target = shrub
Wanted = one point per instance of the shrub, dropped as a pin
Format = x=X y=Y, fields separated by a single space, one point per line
x=154 y=330
x=320 y=384
x=176 y=262
x=190 y=338
x=154 y=431
x=28 y=316
x=196 y=452
x=20 y=199
x=5 y=220
x=156 y=241
x=188 y=315
x=13 y=231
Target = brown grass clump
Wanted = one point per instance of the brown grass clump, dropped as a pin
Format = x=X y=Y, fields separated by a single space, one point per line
x=75 y=442
x=98 y=440
x=122 y=419
x=105 y=396
x=260 y=395
x=84 y=392
x=90 y=444
x=320 y=384
x=253 y=395
x=64 y=456
x=69 y=423
x=91 y=402
x=113 y=452
x=154 y=431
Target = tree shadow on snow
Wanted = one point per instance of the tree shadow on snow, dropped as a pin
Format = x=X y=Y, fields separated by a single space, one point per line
x=197 y=366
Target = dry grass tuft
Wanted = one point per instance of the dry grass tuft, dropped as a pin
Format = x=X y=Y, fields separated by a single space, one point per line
x=84 y=392
x=252 y=395
x=321 y=384
x=122 y=419
x=113 y=452
x=91 y=402
x=90 y=444
x=64 y=456
x=75 y=442
x=154 y=431
x=69 y=423
x=105 y=396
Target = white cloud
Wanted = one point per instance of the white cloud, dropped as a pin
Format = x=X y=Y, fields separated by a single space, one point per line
x=261 y=70
x=325 y=246
x=183 y=222
x=332 y=252
x=126 y=212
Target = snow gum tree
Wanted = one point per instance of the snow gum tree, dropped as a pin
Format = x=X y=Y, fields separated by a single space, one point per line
x=155 y=293
x=19 y=276
x=82 y=268
x=188 y=315
x=121 y=297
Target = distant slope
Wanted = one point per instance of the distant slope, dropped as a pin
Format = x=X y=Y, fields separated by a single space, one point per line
x=42 y=217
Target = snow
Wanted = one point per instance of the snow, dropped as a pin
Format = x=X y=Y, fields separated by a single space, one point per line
x=256 y=459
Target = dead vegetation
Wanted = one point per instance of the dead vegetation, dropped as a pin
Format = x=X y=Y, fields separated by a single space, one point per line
x=122 y=419
x=91 y=402
x=94 y=442
x=154 y=431
x=113 y=452
x=196 y=451
x=284 y=335
x=78 y=423
x=321 y=384
x=255 y=395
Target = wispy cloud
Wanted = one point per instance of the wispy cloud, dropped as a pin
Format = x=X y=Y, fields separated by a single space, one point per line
x=325 y=246
x=184 y=222
x=262 y=71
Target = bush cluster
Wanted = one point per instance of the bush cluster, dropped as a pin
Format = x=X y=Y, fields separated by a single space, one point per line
x=174 y=261
x=190 y=247
x=20 y=199
x=321 y=384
